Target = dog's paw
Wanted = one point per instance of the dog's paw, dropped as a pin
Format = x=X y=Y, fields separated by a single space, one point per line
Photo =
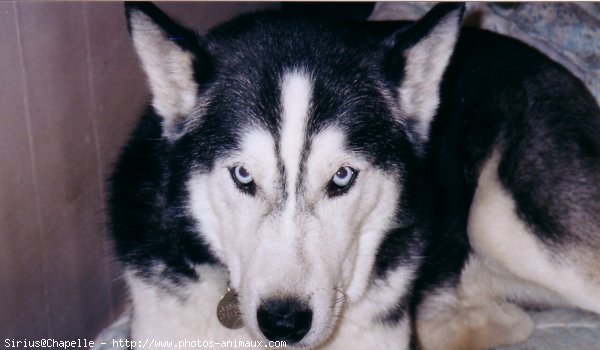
x=508 y=324
x=475 y=327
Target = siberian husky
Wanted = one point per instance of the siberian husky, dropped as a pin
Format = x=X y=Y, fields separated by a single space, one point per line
x=335 y=187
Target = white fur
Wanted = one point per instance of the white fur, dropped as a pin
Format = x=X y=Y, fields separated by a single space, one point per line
x=425 y=65
x=314 y=248
x=168 y=68
x=484 y=279
x=448 y=320
x=509 y=263
x=359 y=332
x=298 y=243
x=190 y=314
x=296 y=92
x=511 y=244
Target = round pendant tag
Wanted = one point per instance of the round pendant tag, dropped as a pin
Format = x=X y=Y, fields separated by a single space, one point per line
x=228 y=311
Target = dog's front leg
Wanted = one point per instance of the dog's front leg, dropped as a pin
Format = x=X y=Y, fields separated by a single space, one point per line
x=183 y=314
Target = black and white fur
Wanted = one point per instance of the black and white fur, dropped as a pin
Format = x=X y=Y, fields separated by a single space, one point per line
x=238 y=176
x=515 y=158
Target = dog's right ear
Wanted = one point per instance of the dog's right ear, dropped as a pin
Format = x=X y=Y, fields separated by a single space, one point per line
x=174 y=62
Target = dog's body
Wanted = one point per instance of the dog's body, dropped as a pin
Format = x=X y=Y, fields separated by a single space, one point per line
x=330 y=177
x=515 y=153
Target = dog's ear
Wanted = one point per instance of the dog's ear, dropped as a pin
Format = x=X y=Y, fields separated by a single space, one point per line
x=417 y=57
x=174 y=62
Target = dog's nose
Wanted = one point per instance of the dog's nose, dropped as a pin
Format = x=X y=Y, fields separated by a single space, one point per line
x=284 y=319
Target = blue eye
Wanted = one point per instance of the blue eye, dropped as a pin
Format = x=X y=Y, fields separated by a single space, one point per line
x=243 y=180
x=343 y=176
x=242 y=175
x=342 y=181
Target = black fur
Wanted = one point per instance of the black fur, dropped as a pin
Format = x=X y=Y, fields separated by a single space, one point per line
x=145 y=206
x=496 y=92
x=346 y=66
x=500 y=92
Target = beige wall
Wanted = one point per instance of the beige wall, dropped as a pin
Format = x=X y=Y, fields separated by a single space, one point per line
x=70 y=92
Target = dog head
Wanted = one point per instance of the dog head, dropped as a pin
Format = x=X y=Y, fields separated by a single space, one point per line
x=295 y=145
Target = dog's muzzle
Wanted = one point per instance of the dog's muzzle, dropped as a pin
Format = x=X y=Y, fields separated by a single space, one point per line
x=284 y=319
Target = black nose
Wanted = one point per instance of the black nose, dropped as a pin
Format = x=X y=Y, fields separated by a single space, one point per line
x=284 y=319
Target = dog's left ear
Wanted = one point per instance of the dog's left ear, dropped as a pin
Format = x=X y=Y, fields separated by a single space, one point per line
x=174 y=61
x=416 y=60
